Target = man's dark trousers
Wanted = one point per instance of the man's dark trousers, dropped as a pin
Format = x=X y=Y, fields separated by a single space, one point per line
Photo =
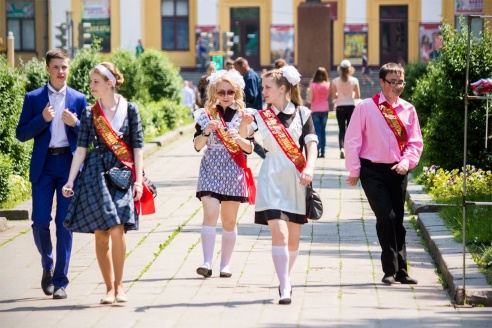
x=385 y=190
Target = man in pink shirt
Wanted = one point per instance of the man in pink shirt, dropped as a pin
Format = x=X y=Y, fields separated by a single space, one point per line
x=383 y=141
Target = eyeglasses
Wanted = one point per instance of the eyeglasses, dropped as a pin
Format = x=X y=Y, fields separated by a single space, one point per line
x=222 y=93
x=396 y=83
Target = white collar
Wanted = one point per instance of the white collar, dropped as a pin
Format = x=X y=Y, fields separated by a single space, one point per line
x=232 y=106
x=120 y=114
x=289 y=109
x=62 y=91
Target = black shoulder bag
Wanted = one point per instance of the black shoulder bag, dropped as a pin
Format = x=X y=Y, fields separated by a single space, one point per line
x=314 y=205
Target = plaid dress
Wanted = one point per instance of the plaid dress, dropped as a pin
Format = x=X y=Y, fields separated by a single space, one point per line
x=96 y=205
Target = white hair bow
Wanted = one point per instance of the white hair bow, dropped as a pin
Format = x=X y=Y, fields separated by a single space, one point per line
x=291 y=74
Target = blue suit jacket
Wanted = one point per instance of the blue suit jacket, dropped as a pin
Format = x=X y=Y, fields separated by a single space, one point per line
x=32 y=125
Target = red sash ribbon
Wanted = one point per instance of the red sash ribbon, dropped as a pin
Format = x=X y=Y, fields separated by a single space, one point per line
x=393 y=121
x=145 y=205
x=283 y=138
x=237 y=155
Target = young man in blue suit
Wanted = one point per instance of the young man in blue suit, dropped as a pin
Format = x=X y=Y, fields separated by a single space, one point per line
x=51 y=115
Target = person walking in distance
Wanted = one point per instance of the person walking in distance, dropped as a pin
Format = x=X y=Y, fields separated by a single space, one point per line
x=384 y=141
x=364 y=74
x=252 y=92
x=50 y=115
x=317 y=96
x=224 y=181
x=345 y=90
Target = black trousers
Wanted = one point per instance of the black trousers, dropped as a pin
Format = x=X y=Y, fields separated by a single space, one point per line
x=385 y=190
x=344 y=113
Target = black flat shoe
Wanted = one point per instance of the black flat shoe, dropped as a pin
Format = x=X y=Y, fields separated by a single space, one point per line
x=388 y=279
x=405 y=279
x=225 y=274
x=46 y=284
x=59 y=293
x=285 y=301
x=204 y=271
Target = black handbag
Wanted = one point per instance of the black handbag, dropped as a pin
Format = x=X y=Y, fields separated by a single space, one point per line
x=119 y=178
x=314 y=206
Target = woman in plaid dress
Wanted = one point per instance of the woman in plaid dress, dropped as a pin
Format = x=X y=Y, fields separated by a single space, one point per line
x=221 y=182
x=97 y=207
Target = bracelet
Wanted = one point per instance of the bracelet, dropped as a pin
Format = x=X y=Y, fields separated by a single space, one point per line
x=205 y=135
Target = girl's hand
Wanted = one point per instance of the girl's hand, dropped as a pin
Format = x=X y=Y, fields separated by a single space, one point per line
x=137 y=191
x=67 y=190
x=306 y=176
x=212 y=126
x=247 y=119
x=233 y=134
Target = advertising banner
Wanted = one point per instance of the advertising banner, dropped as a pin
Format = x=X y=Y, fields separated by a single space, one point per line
x=98 y=14
x=282 y=43
x=354 y=42
x=430 y=41
x=468 y=7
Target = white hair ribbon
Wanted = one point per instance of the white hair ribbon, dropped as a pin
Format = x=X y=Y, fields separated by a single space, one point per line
x=107 y=73
x=232 y=74
x=291 y=74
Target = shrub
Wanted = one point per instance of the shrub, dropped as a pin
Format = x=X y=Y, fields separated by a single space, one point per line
x=5 y=172
x=35 y=73
x=413 y=72
x=128 y=65
x=440 y=101
x=174 y=112
x=158 y=78
x=12 y=91
x=81 y=65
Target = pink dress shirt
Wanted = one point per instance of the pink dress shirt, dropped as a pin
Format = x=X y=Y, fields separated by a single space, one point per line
x=369 y=136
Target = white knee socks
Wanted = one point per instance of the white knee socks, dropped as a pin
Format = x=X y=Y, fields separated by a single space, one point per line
x=280 y=255
x=228 y=243
x=208 y=244
x=292 y=259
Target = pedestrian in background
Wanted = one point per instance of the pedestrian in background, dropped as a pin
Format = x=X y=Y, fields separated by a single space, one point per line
x=229 y=64
x=50 y=115
x=279 y=63
x=224 y=181
x=285 y=173
x=203 y=84
x=97 y=206
x=382 y=143
x=139 y=49
x=366 y=70
x=345 y=91
x=317 y=96
x=252 y=92
x=189 y=99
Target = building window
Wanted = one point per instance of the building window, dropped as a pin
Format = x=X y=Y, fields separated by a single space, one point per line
x=20 y=21
x=175 y=25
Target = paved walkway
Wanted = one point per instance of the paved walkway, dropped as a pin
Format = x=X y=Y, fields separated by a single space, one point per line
x=336 y=278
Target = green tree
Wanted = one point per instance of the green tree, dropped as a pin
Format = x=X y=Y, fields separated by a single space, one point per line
x=79 y=77
x=439 y=99
x=35 y=72
x=128 y=65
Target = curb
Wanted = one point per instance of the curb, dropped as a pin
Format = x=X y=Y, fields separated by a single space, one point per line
x=23 y=211
x=447 y=253
x=3 y=224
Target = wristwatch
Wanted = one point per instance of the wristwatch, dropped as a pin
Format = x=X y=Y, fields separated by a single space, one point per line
x=205 y=135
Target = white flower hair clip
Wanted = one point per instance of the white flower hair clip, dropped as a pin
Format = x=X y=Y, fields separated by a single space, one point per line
x=216 y=75
x=291 y=74
x=232 y=74
x=236 y=77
